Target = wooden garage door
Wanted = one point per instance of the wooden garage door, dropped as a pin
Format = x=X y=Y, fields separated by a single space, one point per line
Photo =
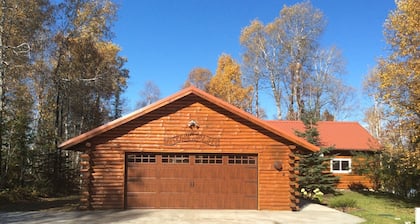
x=219 y=181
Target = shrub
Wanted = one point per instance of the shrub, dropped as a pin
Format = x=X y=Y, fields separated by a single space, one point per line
x=17 y=194
x=358 y=187
x=315 y=195
x=343 y=203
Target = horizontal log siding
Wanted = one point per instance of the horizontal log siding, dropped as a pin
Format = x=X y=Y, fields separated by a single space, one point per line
x=349 y=179
x=274 y=186
x=146 y=134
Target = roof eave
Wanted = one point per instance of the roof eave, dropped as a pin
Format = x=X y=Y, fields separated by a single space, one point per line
x=115 y=123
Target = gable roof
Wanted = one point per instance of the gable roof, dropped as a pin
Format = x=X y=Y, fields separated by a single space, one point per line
x=341 y=135
x=183 y=93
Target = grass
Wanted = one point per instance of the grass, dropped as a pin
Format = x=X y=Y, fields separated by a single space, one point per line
x=376 y=207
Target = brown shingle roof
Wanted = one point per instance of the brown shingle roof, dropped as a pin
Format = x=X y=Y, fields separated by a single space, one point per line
x=341 y=135
x=185 y=92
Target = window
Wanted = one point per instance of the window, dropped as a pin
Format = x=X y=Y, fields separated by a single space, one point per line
x=242 y=159
x=341 y=165
x=172 y=158
x=141 y=158
x=208 y=159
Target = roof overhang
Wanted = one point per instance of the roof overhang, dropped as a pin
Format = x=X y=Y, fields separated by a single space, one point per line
x=69 y=144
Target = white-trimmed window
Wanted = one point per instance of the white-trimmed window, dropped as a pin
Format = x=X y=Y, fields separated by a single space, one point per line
x=341 y=165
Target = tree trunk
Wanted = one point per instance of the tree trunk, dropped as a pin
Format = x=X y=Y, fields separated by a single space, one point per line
x=2 y=71
x=277 y=98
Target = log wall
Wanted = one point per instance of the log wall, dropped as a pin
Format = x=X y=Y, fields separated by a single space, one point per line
x=349 y=179
x=104 y=161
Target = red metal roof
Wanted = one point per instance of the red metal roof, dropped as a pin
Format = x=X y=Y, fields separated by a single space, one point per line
x=341 y=135
x=183 y=93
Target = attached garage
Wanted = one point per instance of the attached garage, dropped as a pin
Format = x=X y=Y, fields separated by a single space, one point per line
x=190 y=150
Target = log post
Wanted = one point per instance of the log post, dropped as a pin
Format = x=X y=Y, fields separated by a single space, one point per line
x=86 y=172
x=293 y=160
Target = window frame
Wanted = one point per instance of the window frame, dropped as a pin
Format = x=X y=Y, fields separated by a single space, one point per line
x=242 y=159
x=175 y=159
x=340 y=160
x=208 y=159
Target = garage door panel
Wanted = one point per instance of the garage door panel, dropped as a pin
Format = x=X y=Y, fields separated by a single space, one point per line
x=205 y=181
x=142 y=200
x=142 y=171
x=145 y=185
x=174 y=185
x=209 y=186
x=209 y=171
x=207 y=201
x=239 y=202
x=174 y=200
x=174 y=171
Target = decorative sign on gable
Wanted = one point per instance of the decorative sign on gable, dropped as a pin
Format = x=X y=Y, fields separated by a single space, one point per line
x=192 y=136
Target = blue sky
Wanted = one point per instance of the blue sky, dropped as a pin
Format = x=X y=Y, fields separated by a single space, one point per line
x=164 y=40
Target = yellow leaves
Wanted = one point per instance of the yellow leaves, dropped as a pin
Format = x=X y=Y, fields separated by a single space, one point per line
x=93 y=18
x=227 y=84
x=249 y=32
x=403 y=27
x=109 y=50
x=408 y=161
x=399 y=78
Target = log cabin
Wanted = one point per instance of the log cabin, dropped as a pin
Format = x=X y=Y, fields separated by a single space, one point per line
x=189 y=150
x=346 y=139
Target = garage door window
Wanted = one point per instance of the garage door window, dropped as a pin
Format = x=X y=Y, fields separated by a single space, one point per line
x=208 y=159
x=242 y=159
x=141 y=158
x=178 y=159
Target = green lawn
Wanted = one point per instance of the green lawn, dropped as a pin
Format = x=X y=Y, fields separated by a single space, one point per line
x=378 y=208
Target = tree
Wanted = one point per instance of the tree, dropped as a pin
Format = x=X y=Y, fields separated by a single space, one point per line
x=374 y=114
x=149 y=94
x=394 y=85
x=313 y=168
x=399 y=73
x=284 y=55
x=20 y=22
x=82 y=57
x=71 y=81
x=227 y=83
x=252 y=39
x=324 y=90
x=199 y=77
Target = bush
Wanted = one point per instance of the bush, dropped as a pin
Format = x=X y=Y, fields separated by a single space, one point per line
x=17 y=194
x=343 y=203
x=358 y=187
x=315 y=195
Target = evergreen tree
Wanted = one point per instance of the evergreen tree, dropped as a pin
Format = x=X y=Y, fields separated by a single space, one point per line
x=314 y=167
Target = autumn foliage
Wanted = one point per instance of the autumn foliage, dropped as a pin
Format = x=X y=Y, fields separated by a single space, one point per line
x=395 y=117
x=227 y=84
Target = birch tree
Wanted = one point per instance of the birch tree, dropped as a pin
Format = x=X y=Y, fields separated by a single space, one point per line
x=149 y=94
x=284 y=56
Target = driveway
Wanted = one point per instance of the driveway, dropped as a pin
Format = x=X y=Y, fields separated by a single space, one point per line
x=312 y=213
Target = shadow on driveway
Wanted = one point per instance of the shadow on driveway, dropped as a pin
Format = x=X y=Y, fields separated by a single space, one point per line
x=102 y=216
